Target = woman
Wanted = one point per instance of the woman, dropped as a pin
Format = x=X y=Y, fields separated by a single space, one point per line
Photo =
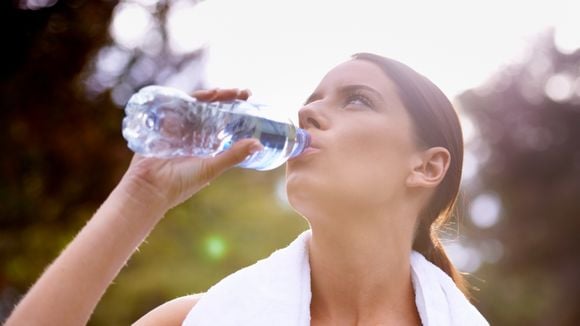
x=381 y=175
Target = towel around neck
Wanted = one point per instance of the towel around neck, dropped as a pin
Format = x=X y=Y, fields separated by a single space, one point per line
x=276 y=291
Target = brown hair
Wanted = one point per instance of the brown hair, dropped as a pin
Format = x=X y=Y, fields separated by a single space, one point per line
x=436 y=124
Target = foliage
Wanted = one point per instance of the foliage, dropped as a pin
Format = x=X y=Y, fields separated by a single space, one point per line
x=528 y=118
x=62 y=153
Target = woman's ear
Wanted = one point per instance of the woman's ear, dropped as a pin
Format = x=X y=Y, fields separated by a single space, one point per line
x=428 y=168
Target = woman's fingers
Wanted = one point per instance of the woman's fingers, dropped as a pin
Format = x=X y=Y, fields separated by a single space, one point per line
x=174 y=180
x=236 y=154
x=204 y=94
x=222 y=94
x=244 y=94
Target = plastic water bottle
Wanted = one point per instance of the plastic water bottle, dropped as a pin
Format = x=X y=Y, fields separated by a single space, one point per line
x=166 y=122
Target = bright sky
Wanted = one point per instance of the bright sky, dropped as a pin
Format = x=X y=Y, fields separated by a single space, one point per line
x=281 y=49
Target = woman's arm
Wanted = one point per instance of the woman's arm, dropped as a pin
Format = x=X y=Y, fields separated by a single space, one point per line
x=69 y=290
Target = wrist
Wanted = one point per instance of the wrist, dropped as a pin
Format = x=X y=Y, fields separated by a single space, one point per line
x=137 y=195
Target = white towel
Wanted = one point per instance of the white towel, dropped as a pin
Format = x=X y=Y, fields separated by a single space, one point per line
x=438 y=300
x=276 y=291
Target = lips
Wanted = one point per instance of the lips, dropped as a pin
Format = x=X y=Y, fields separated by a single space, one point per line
x=312 y=148
x=309 y=150
x=314 y=142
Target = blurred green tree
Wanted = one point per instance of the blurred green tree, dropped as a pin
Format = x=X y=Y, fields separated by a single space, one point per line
x=528 y=121
x=62 y=152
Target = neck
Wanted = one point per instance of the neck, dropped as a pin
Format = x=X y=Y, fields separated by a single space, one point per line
x=361 y=271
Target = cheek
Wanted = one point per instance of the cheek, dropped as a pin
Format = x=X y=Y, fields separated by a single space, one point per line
x=369 y=179
x=375 y=164
x=365 y=165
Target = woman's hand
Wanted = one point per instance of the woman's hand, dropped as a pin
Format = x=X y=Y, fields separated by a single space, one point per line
x=168 y=182
x=84 y=270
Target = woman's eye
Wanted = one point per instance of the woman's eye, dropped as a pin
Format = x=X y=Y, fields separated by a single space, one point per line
x=357 y=99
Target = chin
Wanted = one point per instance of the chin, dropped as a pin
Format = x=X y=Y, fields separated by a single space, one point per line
x=309 y=196
x=301 y=191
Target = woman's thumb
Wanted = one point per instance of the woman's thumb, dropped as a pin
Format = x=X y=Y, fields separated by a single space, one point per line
x=232 y=156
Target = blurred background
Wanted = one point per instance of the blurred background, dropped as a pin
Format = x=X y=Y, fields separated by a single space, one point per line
x=512 y=70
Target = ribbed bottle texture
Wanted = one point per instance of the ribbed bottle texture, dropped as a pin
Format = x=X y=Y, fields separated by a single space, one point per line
x=165 y=122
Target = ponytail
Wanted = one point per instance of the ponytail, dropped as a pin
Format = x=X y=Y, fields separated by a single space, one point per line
x=427 y=243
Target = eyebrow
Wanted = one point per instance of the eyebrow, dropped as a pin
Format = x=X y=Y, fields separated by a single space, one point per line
x=345 y=89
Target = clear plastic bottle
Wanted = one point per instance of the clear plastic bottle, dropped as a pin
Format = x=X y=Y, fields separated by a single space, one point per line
x=166 y=122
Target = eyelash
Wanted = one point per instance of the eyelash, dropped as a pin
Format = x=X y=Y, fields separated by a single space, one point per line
x=358 y=97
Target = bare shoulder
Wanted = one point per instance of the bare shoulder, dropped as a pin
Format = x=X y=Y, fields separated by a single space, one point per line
x=170 y=313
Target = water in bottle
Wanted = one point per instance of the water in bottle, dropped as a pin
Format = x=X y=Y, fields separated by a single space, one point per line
x=166 y=122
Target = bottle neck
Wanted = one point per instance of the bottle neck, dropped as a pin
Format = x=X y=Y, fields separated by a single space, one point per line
x=302 y=142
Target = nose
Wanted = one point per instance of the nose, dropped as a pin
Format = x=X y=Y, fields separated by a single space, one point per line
x=309 y=118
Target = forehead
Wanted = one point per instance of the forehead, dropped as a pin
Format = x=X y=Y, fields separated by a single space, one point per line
x=359 y=72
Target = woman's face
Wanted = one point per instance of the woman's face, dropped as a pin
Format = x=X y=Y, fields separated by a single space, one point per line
x=362 y=143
